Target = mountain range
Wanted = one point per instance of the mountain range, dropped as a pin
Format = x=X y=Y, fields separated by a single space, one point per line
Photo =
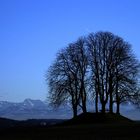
x=37 y=109
x=32 y=109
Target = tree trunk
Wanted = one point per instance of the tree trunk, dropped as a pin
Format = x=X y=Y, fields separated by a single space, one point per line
x=117 y=100
x=103 y=107
x=84 y=107
x=118 y=108
x=96 y=103
x=74 y=106
x=110 y=93
x=74 y=111
x=83 y=96
x=111 y=104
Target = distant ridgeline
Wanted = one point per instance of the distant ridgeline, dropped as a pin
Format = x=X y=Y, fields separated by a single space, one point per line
x=37 y=109
x=32 y=109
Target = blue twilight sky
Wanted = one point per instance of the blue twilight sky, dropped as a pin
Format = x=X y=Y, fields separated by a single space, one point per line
x=32 y=31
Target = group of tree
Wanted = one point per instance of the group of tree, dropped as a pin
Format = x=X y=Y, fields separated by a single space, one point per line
x=101 y=68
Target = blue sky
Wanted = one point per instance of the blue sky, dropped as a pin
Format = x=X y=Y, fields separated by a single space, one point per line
x=32 y=31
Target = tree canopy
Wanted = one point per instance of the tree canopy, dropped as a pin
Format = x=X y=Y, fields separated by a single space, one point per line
x=101 y=66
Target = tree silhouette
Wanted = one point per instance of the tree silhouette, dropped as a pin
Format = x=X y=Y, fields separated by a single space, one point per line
x=67 y=77
x=101 y=65
x=114 y=68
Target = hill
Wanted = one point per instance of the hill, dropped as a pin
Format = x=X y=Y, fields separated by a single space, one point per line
x=94 y=118
x=9 y=123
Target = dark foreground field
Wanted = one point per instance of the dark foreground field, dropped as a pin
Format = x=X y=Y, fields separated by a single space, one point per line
x=79 y=132
x=124 y=130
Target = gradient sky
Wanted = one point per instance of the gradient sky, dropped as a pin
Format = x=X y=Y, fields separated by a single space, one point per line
x=32 y=31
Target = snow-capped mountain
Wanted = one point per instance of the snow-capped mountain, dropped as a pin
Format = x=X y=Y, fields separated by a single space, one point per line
x=29 y=103
x=32 y=109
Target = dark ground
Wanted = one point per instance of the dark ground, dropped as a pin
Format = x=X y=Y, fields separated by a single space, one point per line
x=117 y=130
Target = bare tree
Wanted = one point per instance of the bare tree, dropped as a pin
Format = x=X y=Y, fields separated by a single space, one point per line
x=67 y=77
x=126 y=73
x=114 y=69
x=99 y=49
x=62 y=82
x=102 y=64
x=81 y=62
